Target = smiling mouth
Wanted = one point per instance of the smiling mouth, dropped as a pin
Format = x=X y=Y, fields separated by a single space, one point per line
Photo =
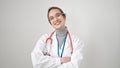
x=57 y=23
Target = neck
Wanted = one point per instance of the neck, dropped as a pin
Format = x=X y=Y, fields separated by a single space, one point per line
x=61 y=32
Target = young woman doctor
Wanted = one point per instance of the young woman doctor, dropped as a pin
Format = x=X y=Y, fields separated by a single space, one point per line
x=59 y=49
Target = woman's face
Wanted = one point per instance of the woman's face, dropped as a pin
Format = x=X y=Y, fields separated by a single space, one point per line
x=57 y=19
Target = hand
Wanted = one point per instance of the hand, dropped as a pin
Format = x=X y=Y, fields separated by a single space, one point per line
x=65 y=59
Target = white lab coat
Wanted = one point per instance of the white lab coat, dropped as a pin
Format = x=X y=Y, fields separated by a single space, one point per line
x=39 y=60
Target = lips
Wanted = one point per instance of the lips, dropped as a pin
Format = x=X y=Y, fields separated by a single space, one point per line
x=57 y=22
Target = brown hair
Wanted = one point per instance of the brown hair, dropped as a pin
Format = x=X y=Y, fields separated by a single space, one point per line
x=55 y=8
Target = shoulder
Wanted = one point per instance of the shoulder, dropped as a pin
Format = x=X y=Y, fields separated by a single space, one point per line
x=46 y=35
x=77 y=42
x=75 y=38
x=43 y=37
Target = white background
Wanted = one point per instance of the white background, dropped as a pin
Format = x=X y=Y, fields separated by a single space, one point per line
x=96 y=22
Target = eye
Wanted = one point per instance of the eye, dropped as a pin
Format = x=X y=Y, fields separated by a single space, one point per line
x=58 y=14
x=51 y=18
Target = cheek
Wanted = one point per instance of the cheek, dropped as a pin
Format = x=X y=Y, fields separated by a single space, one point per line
x=63 y=19
x=52 y=23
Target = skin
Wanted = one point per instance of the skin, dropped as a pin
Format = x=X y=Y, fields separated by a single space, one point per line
x=59 y=23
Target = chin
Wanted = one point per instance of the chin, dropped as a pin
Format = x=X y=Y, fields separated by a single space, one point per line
x=58 y=27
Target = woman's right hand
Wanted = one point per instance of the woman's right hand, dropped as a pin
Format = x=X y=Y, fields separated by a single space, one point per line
x=65 y=59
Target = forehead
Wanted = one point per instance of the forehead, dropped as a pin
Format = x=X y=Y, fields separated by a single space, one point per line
x=54 y=11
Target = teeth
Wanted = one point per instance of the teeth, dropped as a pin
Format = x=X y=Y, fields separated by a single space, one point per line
x=57 y=23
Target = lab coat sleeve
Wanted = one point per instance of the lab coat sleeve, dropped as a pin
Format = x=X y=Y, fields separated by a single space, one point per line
x=39 y=60
x=76 y=57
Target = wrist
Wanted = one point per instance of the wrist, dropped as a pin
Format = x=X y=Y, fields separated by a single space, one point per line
x=61 y=61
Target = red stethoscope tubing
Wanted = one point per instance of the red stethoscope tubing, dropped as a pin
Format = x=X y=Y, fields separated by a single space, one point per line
x=49 y=38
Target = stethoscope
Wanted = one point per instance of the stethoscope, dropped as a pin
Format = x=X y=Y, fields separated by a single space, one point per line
x=71 y=46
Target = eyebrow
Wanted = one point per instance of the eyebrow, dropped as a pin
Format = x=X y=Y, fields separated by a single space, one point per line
x=58 y=13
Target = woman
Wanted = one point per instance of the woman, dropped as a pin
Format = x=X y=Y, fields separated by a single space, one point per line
x=58 y=49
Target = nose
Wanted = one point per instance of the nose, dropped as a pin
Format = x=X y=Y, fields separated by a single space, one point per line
x=55 y=18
